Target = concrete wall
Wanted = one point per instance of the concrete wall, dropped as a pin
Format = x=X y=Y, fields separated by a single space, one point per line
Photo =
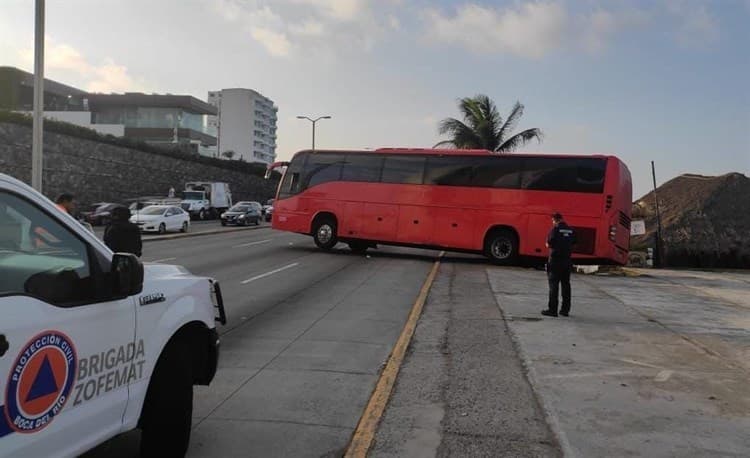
x=98 y=172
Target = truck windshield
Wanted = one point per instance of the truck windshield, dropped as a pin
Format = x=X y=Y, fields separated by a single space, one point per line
x=193 y=195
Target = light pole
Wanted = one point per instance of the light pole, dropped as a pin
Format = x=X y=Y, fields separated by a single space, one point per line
x=37 y=128
x=313 y=121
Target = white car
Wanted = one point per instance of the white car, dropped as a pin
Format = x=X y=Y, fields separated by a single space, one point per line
x=161 y=218
x=94 y=343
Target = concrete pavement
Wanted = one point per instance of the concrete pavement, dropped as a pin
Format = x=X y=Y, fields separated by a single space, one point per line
x=462 y=391
x=651 y=366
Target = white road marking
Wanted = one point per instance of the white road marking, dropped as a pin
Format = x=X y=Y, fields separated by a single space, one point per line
x=275 y=271
x=252 y=243
x=586 y=374
x=639 y=363
x=162 y=260
x=663 y=376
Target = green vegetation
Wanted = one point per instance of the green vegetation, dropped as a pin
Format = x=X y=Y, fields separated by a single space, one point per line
x=483 y=127
x=72 y=130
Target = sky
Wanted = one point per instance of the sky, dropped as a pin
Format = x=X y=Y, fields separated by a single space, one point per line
x=667 y=81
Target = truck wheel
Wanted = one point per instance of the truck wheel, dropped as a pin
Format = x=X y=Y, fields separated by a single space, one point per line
x=501 y=246
x=168 y=409
x=324 y=233
x=202 y=215
x=162 y=228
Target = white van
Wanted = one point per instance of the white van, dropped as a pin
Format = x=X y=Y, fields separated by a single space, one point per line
x=93 y=344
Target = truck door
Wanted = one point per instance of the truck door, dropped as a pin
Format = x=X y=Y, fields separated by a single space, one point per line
x=67 y=351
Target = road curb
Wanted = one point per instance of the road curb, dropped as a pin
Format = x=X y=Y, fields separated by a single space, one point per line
x=367 y=426
x=547 y=410
x=197 y=234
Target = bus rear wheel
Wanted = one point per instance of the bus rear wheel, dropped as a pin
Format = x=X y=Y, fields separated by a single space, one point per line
x=324 y=233
x=501 y=246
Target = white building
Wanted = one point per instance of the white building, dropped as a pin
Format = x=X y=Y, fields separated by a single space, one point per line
x=246 y=124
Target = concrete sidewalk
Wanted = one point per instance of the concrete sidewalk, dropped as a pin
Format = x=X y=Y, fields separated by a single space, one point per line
x=461 y=391
x=651 y=366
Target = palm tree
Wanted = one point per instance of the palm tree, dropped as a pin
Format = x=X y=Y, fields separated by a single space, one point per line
x=229 y=154
x=483 y=127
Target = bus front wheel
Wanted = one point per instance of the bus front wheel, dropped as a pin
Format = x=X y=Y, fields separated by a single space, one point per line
x=324 y=234
x=501 y=247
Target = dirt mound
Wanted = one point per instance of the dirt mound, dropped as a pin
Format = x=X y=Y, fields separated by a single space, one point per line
x=705 y=220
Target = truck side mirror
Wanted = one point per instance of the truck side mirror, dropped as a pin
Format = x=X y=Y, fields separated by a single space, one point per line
x=127 y=274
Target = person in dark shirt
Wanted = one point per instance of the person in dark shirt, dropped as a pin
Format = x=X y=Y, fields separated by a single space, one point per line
x=560 y=241
x=122 y=236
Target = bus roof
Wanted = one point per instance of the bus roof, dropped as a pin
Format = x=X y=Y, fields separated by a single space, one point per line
x=452 y=152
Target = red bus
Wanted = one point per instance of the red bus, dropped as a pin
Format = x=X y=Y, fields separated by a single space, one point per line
x=499 y=205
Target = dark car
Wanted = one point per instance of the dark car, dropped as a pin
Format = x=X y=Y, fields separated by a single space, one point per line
x=100 y=214
x=242 y=214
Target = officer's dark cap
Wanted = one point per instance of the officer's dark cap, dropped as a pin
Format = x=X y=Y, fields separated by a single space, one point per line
x=557 y=216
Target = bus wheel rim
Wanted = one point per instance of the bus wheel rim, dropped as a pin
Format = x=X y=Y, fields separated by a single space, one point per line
x=325 y=233
x=502 y=248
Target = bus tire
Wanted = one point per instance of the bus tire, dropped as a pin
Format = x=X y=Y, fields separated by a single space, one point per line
x=501 y=247
x=168 y=409
x=324 y=233
x=358 y=246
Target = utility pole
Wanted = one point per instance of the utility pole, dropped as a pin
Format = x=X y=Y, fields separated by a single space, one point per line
x=37 y=131
x=313 y=121
x=658 y=244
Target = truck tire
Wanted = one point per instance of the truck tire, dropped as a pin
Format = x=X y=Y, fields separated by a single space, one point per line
x=167 y=413
x=202 y=214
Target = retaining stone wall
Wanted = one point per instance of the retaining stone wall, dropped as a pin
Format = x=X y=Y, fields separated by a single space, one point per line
x=99 y=172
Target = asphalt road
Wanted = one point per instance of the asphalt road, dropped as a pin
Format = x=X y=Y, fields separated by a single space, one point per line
x=306 y=336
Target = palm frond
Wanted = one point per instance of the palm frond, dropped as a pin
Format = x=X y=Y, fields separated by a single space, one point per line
x=462 y=136
x=520 y=139
x=445 y=144
x=510 y=123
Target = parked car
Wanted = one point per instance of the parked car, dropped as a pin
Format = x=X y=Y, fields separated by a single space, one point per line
x=162 y=218
x=243 y=214
x=100 y=214
x=268 y=212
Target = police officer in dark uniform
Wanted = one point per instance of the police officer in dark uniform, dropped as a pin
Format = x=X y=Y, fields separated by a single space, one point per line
x=560 y=241
x=122 y=236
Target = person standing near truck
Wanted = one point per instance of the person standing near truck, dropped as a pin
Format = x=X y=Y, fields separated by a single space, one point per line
x=560 y=241
x=122 y=236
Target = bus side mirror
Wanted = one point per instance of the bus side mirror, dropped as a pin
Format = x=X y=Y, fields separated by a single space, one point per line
x=268 y=173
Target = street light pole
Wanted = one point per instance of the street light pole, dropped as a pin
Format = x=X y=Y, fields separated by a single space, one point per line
x=38 y=118
x=313 y=121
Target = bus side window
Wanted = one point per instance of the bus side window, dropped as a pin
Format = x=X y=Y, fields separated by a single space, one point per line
x=403 y=169
x=448 y=171
x=497 y=172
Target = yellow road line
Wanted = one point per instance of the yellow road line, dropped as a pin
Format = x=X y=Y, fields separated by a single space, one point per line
x=368 y=423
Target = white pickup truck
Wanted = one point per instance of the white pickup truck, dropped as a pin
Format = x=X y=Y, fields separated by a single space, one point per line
x=94 y=343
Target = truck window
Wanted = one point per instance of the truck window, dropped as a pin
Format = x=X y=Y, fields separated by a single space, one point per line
x=40 y=257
